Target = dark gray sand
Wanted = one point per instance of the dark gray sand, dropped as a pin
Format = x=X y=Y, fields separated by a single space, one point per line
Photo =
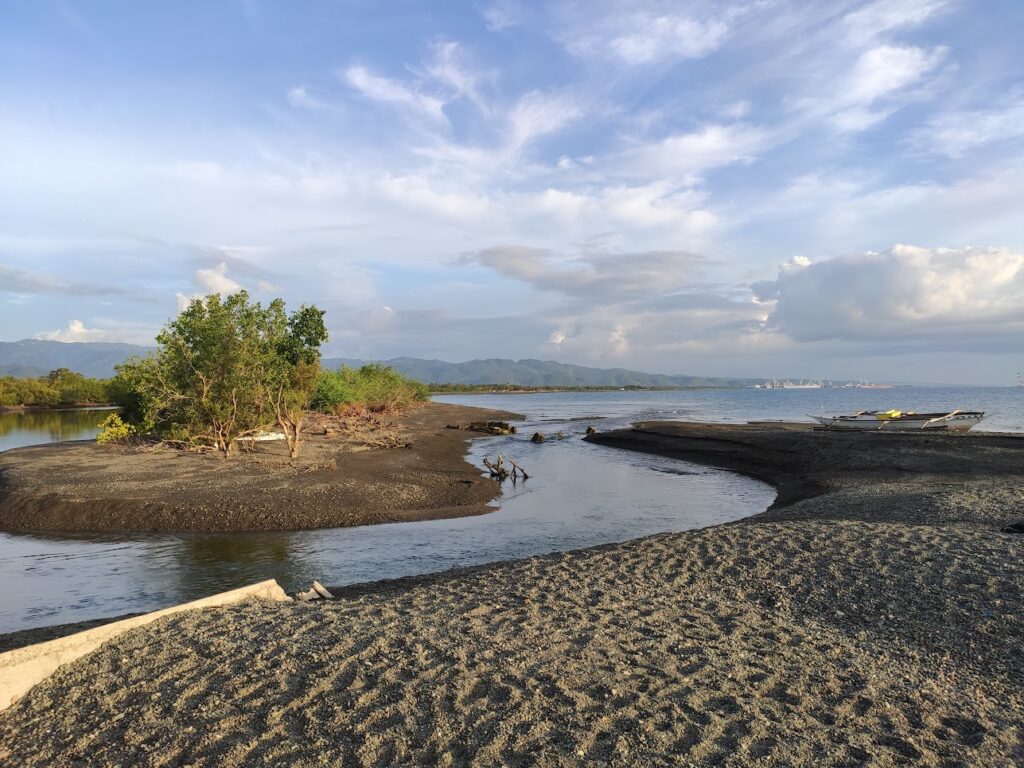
x=81 y=486
x=878 y=621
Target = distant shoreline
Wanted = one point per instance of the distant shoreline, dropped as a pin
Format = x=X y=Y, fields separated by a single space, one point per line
x=51 y=408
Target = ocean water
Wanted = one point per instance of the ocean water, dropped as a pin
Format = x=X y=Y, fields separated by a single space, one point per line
x=578 y=495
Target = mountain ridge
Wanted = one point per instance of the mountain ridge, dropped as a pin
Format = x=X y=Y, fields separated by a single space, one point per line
x=37 y=357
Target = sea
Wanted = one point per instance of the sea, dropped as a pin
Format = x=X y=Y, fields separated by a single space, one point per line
x=578 y=495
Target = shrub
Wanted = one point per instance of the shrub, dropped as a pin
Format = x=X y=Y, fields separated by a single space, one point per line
x=113 y=430
x=377 y=387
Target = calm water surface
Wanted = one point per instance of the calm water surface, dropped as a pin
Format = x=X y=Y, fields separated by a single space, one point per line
x=578 y=495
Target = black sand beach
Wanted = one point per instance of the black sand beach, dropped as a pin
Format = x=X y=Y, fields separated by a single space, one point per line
x=82 y=486
x=873 y=616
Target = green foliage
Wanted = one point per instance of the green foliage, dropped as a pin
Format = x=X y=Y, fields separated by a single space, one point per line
x=456 y=388
x=225 y=368
x=113 y=430
x=60 y=387
x=377 y=387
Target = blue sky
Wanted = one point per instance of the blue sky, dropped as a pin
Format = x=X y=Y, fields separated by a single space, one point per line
x=757 y=188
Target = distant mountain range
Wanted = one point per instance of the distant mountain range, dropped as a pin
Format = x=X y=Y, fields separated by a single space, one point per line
x=33 y=357
x=536 y=373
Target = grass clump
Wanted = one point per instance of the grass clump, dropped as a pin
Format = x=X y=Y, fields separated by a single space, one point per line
x=379 y=388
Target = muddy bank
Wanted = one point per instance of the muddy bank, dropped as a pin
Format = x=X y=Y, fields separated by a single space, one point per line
x=873 y=618
x=85 y=487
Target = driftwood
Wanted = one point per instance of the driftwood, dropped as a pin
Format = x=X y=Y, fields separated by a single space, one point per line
x=487 y=427
x=316 y=592
x=499 y=471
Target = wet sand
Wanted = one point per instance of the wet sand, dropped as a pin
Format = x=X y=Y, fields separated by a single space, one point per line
x=873 y=616
x=81 y=486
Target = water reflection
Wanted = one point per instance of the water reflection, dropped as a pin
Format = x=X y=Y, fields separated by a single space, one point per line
x=31 y=427
x=578 y=495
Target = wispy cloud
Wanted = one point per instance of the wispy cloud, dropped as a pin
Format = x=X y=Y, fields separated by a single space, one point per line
x=300 y=96
x=502 y=14
x=385 y=89
x=23 y=281
x=956 y=133
x=638 y=35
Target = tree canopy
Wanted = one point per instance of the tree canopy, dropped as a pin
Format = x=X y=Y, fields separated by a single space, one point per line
x=224 y=369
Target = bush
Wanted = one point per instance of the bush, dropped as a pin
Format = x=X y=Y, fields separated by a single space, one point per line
x=378 y=387
x=113 y=430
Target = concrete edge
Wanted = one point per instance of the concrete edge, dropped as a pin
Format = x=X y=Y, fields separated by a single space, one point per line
x=23 y=668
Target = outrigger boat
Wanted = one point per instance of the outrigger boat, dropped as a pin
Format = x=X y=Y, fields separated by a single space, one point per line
x=902 y=421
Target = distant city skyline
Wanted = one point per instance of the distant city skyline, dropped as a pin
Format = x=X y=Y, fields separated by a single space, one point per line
x=737 y=189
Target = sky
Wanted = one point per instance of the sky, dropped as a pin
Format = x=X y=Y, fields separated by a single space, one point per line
x=755 y=188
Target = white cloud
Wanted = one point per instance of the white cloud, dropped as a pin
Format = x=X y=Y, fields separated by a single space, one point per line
x=882 y=16
x=502 y=14
x=712 y=146
x=883 y=79
x=954 y=134
x=952 y=297
x=557 y=337
x=300 y=97
x=885 y=69
x=643 y=36
x=537 y=114
x=210 y=280
x=593 y=276
x=385 y=89
x=449 y=66
x=216 y=280
x=29 y=282
x=77 y=331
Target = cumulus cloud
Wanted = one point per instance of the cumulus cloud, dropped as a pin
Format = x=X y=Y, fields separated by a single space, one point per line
x=209 y=281
x=948 y=296
x=76 y=330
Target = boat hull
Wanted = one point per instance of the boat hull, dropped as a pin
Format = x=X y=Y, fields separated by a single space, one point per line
x=956 y=421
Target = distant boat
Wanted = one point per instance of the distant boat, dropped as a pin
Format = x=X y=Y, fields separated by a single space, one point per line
x=903 y=421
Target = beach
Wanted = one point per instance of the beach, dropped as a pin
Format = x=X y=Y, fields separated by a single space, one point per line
x=871 y=616
x=84 y=487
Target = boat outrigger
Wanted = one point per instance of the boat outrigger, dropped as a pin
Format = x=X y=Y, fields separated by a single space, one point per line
x=902 y=421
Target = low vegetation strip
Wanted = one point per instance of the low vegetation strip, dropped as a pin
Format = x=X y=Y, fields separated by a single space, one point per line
x=61 y=387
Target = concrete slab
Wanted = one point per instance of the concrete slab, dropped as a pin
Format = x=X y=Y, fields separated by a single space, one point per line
x=22 y=668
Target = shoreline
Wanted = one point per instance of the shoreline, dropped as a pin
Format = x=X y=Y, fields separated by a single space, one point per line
x=49 y=408
x=872 y=618
x=81 y=487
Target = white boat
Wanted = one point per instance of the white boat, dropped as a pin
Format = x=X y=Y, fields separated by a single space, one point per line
x=903 y=421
